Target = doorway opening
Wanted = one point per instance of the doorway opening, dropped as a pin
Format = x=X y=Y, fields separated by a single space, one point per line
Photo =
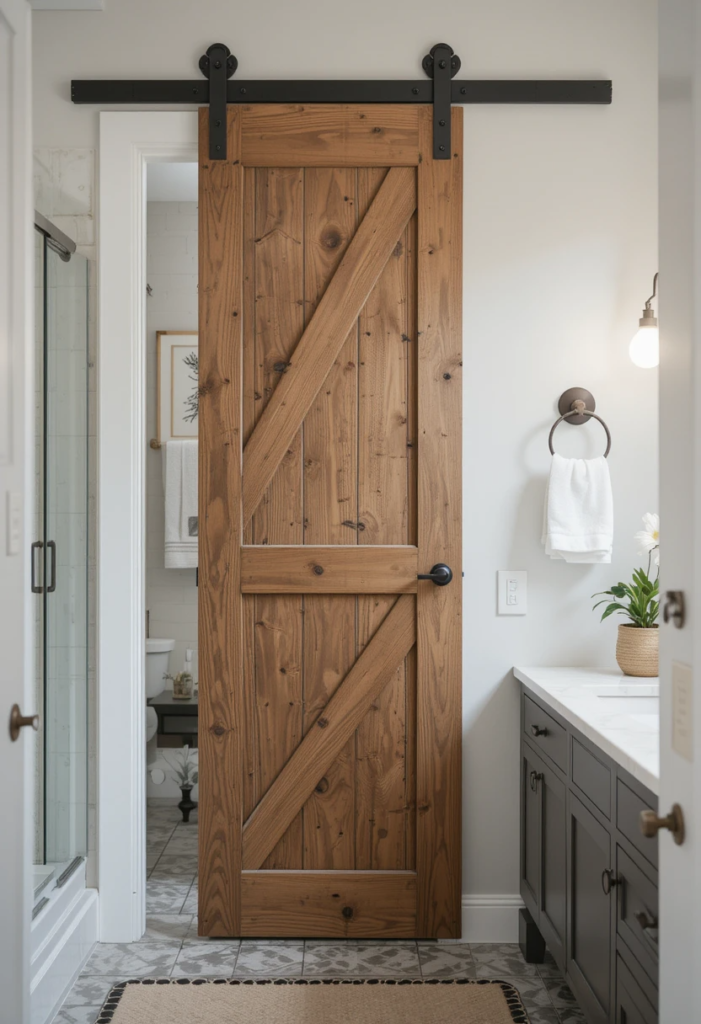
x=170 y=508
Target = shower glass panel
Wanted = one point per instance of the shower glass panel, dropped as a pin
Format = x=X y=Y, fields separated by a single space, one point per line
x=61 y=555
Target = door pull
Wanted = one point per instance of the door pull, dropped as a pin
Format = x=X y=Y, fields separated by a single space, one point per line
x=19 y=721
x=52 y=586
x=440 y=574
x=651 y=823
x=608 y=880
x=37 y=588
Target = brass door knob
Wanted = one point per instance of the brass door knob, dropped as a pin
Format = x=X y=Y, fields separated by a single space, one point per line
x=651 y=823
x=19 y=721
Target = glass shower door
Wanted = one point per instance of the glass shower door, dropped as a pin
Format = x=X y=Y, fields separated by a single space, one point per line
x=65 y=550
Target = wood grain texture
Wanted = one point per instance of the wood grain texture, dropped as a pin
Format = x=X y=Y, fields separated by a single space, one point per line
x=438 y=650
x=346 y=570
x=382 y=798
x=330 y=514
x=219 y=596
x=312 y=903
x=313 y=357
x=278 y=317
x=323 y=743
x=319 y=135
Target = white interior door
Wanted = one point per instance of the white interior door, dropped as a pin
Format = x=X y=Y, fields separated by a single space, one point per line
x=16 y=346
x=680 y=501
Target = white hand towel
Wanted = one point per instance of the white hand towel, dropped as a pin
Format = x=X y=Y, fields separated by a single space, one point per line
x=578 y=519
x=181 y=526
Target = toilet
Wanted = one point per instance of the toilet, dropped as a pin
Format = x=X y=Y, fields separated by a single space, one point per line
x=157 y=654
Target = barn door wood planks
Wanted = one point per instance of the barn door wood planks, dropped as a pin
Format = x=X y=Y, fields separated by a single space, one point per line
x=330 y=477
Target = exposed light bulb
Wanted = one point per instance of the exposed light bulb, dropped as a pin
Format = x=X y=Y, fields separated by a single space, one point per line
x=644 y=349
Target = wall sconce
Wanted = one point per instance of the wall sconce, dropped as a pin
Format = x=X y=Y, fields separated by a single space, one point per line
x=645 y=347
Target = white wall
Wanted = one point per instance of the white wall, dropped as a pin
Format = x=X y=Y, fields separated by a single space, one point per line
x=560 y=250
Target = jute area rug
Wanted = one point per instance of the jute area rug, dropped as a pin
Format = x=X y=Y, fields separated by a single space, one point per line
x=281 y=1001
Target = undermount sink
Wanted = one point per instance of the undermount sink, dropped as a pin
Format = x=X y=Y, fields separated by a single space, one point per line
x=632 y=698
x=632 y=705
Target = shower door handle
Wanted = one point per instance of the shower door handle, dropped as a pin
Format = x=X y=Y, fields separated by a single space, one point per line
x=38 y=545
x=51 y=544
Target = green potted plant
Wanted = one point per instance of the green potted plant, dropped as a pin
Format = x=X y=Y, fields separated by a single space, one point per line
x=637 y=646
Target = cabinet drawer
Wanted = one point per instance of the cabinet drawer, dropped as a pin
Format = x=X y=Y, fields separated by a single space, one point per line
x=544 y=731
x=637 y=912
x=632 y=1007
x=591 y=776
x=628 y=808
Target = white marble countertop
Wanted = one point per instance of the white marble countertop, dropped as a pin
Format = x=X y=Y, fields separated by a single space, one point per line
x=629 y=735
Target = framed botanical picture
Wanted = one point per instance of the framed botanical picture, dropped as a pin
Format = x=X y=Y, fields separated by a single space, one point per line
x=178 y=400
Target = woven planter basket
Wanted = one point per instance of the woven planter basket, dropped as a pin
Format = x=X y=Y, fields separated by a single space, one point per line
x=637 y=650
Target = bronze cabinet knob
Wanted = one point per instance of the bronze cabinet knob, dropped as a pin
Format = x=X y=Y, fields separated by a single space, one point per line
x=19 y=721
x=608 y=880
x=651 y=823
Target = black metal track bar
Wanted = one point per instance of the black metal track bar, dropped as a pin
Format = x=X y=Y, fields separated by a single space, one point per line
x=197 y=92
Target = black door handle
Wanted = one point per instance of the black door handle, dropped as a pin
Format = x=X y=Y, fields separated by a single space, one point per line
x=441 y=574
x=52 y=586
x=37 y=588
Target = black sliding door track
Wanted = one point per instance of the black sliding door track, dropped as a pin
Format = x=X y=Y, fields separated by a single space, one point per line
x=440 y=89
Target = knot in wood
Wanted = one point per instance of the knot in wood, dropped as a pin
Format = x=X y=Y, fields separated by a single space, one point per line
x=347 y=913
x=322 y=723
x=279 y=367
x=323 y=786
x=331 y=239
x=318 y=570
x=218 y=730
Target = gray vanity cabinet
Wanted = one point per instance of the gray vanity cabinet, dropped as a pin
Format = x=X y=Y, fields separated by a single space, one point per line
x=590 y=931
x=588 y=875
x=543 y=855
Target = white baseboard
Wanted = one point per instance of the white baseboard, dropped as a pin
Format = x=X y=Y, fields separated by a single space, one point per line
x=490 y=918
x=63 y=937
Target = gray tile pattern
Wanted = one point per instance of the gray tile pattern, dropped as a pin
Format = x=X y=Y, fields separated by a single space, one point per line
x=172 y=948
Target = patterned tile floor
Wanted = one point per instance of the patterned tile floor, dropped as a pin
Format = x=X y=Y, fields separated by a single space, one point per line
x=171 y=947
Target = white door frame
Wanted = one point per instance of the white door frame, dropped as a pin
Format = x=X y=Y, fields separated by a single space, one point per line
x=680 y=492
x=16 y=480
x=128 y=141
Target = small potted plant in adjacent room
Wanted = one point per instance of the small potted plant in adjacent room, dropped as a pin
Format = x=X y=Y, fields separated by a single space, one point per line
x=186 y=775
x=637 y=647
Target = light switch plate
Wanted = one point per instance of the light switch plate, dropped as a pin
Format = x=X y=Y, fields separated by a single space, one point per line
x=512 y=592
x=682 y=710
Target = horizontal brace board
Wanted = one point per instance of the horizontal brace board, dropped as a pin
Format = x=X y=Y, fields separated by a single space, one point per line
x=332 y=569
x=343 y=904
x=419 y=91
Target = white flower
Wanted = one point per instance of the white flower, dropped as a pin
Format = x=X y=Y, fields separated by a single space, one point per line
x=649 y=538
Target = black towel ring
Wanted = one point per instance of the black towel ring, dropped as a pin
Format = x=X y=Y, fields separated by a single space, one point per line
x=578 y=407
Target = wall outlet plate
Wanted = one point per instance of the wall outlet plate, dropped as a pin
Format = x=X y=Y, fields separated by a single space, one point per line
x=512 y=592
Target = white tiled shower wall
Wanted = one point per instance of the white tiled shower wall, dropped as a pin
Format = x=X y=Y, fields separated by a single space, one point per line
x=64 y=188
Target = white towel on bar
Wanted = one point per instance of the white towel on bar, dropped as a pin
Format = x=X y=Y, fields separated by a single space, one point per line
x=578 y=519
x=181 y=527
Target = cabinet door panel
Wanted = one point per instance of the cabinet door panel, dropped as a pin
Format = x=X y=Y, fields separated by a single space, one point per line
x=531 y=768
x=631 y=1005
x=589 y=954
x=553 y=896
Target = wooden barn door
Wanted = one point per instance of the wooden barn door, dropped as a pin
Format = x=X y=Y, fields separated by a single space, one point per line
x=330 y=455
